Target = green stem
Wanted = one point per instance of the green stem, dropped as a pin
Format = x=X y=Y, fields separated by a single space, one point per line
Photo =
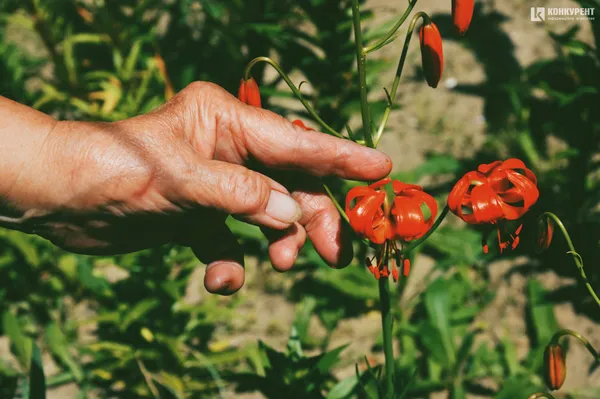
x=336 y=203
x=392 y=94
x=383 y=41
x=561 y=333
x=433 y=228
x=361 y=61
x=294 y=89
x=384 y=290
x=386 y=322
x=576 y=257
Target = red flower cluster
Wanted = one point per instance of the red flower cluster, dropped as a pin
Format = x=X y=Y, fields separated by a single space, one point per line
x=372 y=216
x=494 y=193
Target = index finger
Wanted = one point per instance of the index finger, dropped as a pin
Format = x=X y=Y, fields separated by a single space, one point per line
x=277 y=143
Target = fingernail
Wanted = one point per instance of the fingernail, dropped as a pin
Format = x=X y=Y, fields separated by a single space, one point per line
x=283 y=208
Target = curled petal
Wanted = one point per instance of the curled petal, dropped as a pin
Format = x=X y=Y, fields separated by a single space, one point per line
x=366 y=216
x=512 y=163
x=409 y=221
x=399 y=187
x=487 y=207
x=301 y=124
x=380 y=183
x=528 y=192
x=459 y=200
x=487 y=168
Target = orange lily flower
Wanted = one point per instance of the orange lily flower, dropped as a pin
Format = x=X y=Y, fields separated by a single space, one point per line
x=408 y=218
x=494 y=193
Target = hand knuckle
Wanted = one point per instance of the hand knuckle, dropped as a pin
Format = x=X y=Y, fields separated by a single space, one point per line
x=249 y=192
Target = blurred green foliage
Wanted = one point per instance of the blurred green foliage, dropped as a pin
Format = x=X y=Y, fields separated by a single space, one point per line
x=138 y=335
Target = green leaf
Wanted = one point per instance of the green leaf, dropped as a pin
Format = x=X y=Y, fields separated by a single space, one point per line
x=465 y=349
x=172 y=383
x=304 y=313
x=131 y=60
x=514 y=388
x=431 y=338
x=437 y=165
x=25 y=245
x=22 y=344
x=511 y=359
x=244 y=230
x=344 y=388
x=437 y=304
x=137 y=312
x=294 y=346
x=541 y=313
x=97 y=285
x=59 y=346
x=352 y=281
x=329 y=359
x=37 y=382
x=461 y=245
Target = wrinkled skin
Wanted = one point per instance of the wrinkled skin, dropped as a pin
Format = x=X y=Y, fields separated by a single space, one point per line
x=173 y=176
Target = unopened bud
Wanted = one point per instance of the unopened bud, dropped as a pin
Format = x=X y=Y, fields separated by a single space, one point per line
x=555 y=366
x=545 y=231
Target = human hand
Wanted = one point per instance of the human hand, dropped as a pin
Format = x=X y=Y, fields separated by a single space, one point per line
x=175 y=174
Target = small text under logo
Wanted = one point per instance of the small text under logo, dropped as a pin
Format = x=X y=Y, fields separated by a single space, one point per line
x=540 y=14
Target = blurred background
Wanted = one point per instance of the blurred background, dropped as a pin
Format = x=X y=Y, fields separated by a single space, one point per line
x=466 y=325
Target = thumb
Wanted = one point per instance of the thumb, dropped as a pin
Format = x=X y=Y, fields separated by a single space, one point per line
x=241 y=192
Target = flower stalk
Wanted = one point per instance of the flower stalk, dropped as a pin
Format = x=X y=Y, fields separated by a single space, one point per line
x=565 y=332
x=294 y=89
x=361 y=60
x=384 y=293
x=576 y=257
x=388 y=348
x=394 y=91
x=389 y=35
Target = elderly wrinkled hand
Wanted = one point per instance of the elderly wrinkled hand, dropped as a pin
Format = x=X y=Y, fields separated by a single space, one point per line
x=173 y=176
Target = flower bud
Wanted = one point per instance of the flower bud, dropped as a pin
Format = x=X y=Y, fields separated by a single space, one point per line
x=249 y=92
x=545 y=231
x=555 y=366
x=432 y=54
x=462 y=13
